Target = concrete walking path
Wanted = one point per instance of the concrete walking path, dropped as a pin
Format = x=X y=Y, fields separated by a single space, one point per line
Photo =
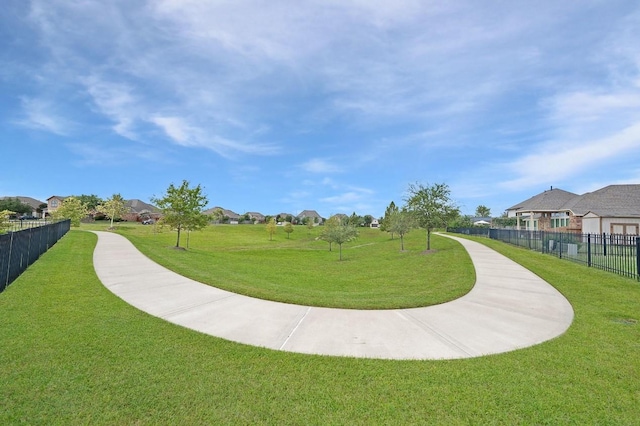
x=508 y=308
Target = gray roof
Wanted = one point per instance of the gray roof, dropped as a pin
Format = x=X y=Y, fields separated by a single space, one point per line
x=551 y=200
x=226 y=212
x=31 y=202
x=138 y=206
x=309 y=213
x=610 y=201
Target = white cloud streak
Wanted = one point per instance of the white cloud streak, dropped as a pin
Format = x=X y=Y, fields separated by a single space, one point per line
x=39 y=114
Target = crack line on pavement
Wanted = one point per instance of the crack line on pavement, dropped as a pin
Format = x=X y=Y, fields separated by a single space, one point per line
x=295 y=328
x=448 y=340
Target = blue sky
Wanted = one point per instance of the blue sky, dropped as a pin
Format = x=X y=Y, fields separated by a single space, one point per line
x=337 y=106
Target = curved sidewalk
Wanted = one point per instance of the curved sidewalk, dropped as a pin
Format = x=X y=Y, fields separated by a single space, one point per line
x=507 y=309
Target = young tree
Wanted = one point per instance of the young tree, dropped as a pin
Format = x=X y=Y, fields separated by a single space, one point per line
x=355 y=220
x=271 y=227
x=288 y=228
x=342 y=234
x=5 y=223
x=182 y=208
x=91 y=201
x=113 y=207
x=401 y=222
x=310 y=223
x=327 y=230
x=217 y=215
x=384 y=224
x=483 y=211
x=71 y=208
x=431 y=205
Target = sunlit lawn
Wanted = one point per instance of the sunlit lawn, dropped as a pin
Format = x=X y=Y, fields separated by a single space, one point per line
x=374 y=274
x=73 y=353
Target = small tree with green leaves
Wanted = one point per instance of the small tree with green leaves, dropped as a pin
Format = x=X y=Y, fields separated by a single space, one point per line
x=432 y=206
x=217 y=216
x=384 y=224
x=182 y=208
x=5 y=222
x=337 y=232
x=91 y=201
x=483 y=211
x=71 y=208
x=342 y=234
x=271 y=228
x=327 y=230
x=288 y=228
x=113 y=207
x=401 y=222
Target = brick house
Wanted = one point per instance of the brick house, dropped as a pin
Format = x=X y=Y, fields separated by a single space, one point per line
x=614 y=209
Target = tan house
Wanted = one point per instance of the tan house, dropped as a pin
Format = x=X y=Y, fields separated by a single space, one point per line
x=614 y=209
x=317 y=219
x=54 y=202
x=139 y=211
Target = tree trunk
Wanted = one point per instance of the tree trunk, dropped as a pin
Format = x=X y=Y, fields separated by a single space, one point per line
x=401 y=242
x=340 y=251
x=178 y=240
x=428 y=239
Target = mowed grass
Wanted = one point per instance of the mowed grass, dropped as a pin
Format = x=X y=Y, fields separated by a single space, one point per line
x=73 y=353
x=374 y=272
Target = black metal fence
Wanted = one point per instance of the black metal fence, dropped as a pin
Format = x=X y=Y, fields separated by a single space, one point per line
x=610 y=252
x=20 y=249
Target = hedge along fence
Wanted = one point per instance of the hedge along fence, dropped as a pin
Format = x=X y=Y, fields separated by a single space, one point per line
x=20 y=249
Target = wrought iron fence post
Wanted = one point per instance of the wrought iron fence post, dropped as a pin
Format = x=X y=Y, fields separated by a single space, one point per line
x=589 y=250
x=638 y=258
x=6 y=284
x=560 y=246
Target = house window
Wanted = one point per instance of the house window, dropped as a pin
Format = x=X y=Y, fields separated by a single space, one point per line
x=559 y=222
x=54 y=203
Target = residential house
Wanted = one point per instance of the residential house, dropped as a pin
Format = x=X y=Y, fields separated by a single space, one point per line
x=139 y=211
x=255 y=217
x=54 y=202
x=283 y=217
x=36 y=210
x=229 y=216
x=614 y=209
x=317 y=219
x=375 y=223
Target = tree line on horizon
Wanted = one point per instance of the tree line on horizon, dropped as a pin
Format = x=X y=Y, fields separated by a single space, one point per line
x=428 y=207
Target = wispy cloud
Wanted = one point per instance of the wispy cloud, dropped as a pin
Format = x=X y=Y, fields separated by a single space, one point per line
x=39 y=114
x=117 y=102
x=319 y=165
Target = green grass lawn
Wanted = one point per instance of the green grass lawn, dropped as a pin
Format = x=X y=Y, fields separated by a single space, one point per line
x=374 y=274
x=73 y=353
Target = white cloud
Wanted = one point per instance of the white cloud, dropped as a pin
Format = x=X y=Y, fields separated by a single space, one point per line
x=560 y=160
x=117 y=102
x=39 y=114
x=318 y=165
x=184 y=134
